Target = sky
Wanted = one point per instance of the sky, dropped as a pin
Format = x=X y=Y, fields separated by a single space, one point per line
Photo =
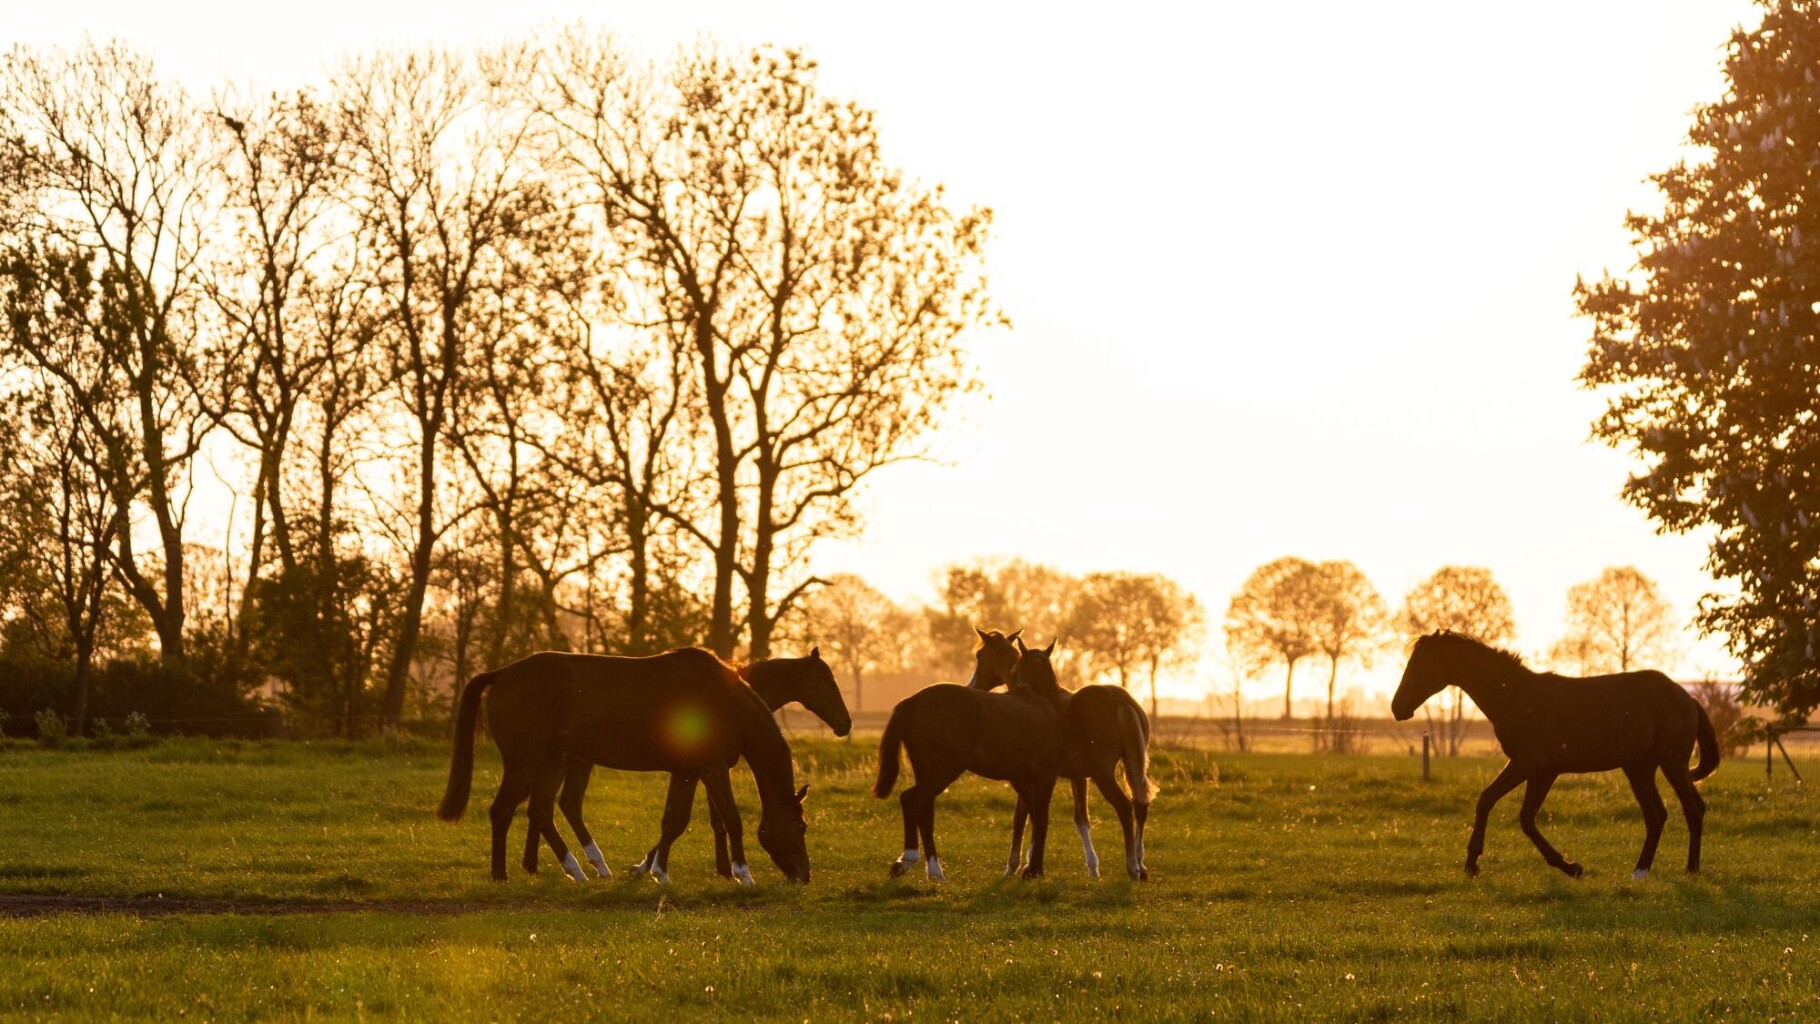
x=1283 y=279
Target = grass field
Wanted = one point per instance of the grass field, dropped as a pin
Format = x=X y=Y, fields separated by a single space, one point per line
x=1286 y=887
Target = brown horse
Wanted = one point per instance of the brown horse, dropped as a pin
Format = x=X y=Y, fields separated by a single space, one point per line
x=1101 y=727
x=778 y=681
x=1552 y=725
x=949 y=729
x=684 y=712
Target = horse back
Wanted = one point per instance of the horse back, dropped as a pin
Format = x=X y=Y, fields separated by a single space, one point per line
x=1598 y=723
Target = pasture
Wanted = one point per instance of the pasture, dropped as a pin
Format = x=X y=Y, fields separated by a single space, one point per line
x=230 y=880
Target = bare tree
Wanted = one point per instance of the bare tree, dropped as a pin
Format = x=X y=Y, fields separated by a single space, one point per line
x=857 y=625
x=1616 y=622
x=821 y=294
x=1467 y=599
x=116 y=180
x=1275 y=617
x=440 y=184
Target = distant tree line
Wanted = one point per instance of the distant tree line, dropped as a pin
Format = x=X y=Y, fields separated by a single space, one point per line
x=1291 y=609
x=454 y=356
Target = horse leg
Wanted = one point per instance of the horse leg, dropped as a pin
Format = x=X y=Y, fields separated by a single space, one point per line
x=723 y=863
x=1084 y=825
x=679 y=803
x=1041 y=792
x=1693 y=808
x=720 y=797
x=1533 y=795
x=576 y=773
x=1506 y=781
x=910 y=802
x=657 y=860
x=1655 y=814
x=1018 y=817
x=543 y=820
x=932 y=864
x=1123 y=807
x=514 y=786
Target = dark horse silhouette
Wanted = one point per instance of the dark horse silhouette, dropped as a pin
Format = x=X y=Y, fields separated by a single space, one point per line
x=949 y=729
x=778 y=681
x=1101 y=727
x=685 y=712
x=1552 y=725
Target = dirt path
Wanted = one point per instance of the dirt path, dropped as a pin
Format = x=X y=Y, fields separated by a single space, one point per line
x=14 y=905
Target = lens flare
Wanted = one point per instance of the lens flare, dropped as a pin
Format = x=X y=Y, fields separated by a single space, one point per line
x=686 y=730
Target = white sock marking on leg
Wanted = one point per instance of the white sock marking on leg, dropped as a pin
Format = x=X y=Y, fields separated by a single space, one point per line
x=573 y=867
x=1087 y=851
x=600 y=863
x=934 y=868
x=742 y=874
x=1639 y=875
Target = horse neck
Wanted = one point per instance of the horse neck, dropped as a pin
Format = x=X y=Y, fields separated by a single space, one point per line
x=1041 y=685
x=774 y=687
x=1492 y=681
x=765 y=751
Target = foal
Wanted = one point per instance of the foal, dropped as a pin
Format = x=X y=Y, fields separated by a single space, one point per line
x=949 y=729
x=1552 y=725
x=1101 y=727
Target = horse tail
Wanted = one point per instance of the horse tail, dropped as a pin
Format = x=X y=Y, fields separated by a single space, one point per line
x=1709 y=748
x=461 y=766
x=889 y=745
x=1134 y=750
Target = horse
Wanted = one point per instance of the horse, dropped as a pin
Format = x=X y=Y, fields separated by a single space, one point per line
x=778 y=681
x=1551 y=725
x=949 y=729
x=1101 y=726
x=685 y=712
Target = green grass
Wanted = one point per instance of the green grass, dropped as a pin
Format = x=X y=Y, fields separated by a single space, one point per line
x=1286 y=887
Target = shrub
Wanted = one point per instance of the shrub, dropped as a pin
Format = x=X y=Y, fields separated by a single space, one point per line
x=51 y=726
x=137 y=724
x=1721 y=706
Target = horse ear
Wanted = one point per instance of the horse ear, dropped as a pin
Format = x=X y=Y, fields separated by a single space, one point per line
x=802 y=794
x=1050 y=648
x=981 y=632
x=1019 y=631
x=816 y=652
x=1019 y=641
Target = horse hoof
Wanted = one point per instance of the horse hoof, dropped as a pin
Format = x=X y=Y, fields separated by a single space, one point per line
x=1472 y=870
x=1639 y=875
x=635 y=871
x=1573 y=870
x=1033 y=874
x=897 y=868
x=1143 y=874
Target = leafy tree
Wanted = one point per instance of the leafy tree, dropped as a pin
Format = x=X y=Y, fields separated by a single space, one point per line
x=1467 y=599
x=1003 y=594
x=1275 y=616
x=1351 y=621
x=1616 y=623
x=1124 y=622
x=1705 y=352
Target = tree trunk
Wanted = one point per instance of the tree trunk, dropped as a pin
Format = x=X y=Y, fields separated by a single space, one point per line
x=405 y=648
x=1288 y=689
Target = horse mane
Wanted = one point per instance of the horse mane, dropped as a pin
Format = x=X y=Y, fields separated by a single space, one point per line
x=1043 y=669
x=1510 y=658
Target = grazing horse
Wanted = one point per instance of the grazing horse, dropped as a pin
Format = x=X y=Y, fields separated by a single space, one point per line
x=949 y=729
x=1552 y=725
x=684 y=712
x=1101 y=727
x=778 y=681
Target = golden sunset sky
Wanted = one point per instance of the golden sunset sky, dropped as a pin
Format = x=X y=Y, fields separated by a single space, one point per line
x=1286 y=279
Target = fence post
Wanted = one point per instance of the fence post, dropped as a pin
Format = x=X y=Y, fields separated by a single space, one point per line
x=1424 y=757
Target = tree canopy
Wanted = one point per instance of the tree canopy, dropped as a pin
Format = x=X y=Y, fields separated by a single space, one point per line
x=1709 y=352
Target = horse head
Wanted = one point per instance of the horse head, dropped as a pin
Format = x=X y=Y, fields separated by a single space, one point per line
x=817 y=691
x=1034 y=670
x=783 y=833
x=994 y=659
x=1425 y=675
